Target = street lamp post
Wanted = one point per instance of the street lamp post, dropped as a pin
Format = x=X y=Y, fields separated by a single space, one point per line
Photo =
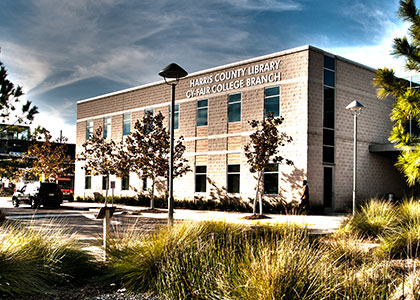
x=355 y=107
x=172 y=71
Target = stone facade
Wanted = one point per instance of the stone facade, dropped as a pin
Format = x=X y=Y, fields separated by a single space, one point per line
x=299 y=74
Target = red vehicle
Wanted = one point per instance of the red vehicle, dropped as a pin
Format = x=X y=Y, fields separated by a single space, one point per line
x=66 y=185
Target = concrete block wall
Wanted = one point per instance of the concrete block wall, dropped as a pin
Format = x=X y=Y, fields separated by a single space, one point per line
x=376 y=173
x=219 y=143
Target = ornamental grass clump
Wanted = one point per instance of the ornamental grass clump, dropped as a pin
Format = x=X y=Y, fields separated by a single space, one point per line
x=404 y=239
x=215 y=260
x=375 y=218
x=39 y=261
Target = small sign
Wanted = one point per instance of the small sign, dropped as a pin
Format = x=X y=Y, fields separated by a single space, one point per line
x=102 y=211
x=112 y=184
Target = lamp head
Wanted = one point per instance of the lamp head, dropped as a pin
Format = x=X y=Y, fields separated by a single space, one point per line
x=355 y=106
x=173 y=71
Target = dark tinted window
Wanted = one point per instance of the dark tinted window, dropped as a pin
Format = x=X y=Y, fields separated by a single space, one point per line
x=329 y=78
x=328 y=154
x=329 y=62
x=328 y=107
x=328 y=137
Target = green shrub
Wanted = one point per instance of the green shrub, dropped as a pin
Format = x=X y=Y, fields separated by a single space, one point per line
x=37 y=261
x=374 y=218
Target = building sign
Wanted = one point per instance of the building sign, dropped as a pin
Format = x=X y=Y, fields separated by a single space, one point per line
x=233 y=79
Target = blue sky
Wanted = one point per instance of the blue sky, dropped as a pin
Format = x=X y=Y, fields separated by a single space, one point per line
x=63 y=51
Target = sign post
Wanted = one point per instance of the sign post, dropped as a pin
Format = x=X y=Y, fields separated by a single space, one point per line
x=105 y=213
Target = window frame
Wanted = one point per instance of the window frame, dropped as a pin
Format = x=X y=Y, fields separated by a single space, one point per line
x=88 y=179
x=270 y=97
x=125 y=122
x=125 y=186
x=176 y=121
x=202 y=108
x=235 y=103
x=200 y=174
x=89 y=129
x=233 y=173
x=107 y=127
x=274 y=172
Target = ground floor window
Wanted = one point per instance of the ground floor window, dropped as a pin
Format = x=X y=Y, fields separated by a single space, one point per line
x=125 y=183
x=233 y=178
x=144 y=184
x=104 y=182
x=88 y=181
x=271 y=179
x=328 y=187
x=200 y=179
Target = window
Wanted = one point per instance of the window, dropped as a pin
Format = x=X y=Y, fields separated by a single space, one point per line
x=233 y=178
x=144 y=184
x=126 y=123
x=329 y=62
x=89 y=129
x=104 y=182
x=234 y=108
x=271 y=179
x=200 y=179
x=125 y=183
x=328 y=187
x=328 y=122
x=107 y=127
x=176 y=119
x=272 y=101
x=202 y=112
x=88 y=180
x=150 y=110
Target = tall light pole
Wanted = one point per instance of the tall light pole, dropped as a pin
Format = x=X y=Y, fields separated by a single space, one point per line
x=355 y=107
x=172 y=71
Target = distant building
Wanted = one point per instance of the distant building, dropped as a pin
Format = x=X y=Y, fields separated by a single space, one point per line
x=309 y=87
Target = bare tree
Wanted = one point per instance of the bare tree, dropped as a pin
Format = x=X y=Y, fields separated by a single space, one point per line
x=263 y=150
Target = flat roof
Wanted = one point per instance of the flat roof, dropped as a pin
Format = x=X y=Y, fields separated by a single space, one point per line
x=214 y=69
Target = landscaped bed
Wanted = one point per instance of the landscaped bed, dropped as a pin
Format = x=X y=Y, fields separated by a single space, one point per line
x=373 y=256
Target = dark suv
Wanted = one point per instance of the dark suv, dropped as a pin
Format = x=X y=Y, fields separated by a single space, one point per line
x=37 y=194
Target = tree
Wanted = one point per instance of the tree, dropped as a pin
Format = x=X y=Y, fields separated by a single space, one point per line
x=263 y=150
x=49 y=158
x=147 y=147
x=9 y=100
x=99 y=155
x=406 y=108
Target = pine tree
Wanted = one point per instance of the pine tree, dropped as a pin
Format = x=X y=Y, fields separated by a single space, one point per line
x=407 y=98
x=9 y=100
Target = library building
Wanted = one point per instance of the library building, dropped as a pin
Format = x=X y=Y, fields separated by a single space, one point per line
x=308 y=87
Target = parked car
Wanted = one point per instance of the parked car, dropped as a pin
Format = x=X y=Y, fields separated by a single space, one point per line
x=37 y=194
x=66 y=185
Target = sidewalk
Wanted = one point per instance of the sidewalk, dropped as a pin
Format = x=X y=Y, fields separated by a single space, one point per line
x=317 y=223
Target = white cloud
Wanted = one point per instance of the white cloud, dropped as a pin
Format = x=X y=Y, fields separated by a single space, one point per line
x=267 y=5
x=29 y=68
x=52 y=119
x=379 y=55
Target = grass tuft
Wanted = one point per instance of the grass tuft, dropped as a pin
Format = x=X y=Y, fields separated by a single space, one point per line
x=375 y=218
x=38 y=261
